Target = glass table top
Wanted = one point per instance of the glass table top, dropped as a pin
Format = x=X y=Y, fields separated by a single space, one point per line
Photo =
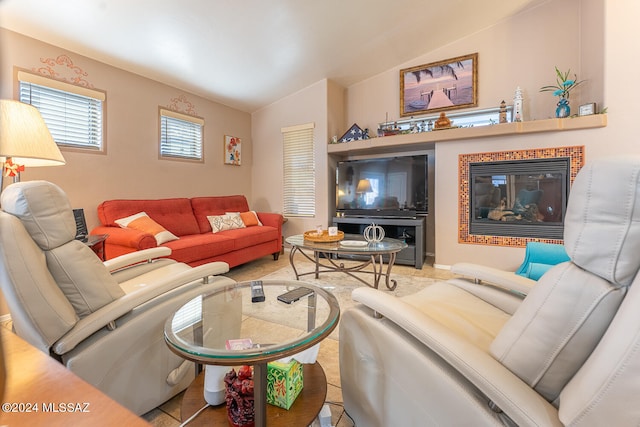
x=215 y=328
x=352 y=244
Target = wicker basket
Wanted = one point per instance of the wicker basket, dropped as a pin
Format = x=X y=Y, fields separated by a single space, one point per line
x=313 y=236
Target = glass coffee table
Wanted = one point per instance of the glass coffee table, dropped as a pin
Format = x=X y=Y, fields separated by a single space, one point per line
x=200 y=329
x=325 y=255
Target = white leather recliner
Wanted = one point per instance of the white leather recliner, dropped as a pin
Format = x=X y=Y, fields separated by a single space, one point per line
x=464 y=354
x=104 y=321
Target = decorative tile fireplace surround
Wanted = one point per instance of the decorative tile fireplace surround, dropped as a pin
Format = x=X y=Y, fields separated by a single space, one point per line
x=516 y=228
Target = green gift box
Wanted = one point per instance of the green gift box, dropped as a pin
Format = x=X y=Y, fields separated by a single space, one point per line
x=284 y=383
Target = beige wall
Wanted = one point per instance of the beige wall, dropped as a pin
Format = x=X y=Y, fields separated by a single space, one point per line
x=131 y=168
x=306 y=106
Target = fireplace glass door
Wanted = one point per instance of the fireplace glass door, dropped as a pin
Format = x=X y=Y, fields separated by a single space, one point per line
x=524 y=198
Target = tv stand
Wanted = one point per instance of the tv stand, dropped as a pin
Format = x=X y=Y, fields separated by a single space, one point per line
x=411 y=230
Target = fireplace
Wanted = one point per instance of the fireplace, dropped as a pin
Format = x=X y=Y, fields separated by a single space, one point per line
x=520 y=198
x=509 y=198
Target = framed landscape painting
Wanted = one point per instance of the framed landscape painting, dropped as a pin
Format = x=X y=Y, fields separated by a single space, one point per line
x=232 y=150
x=439 y=86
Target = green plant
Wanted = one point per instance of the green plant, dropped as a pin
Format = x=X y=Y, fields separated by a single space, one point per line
x=563 y=85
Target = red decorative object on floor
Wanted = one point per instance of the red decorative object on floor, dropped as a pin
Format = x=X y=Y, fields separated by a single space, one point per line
x=239 y=397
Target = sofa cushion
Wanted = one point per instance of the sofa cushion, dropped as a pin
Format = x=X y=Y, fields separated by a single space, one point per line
x=142 y=222
x=251 y=236
x=173 y=214
x=227 y=221
x=196 y=247
x=217 y=205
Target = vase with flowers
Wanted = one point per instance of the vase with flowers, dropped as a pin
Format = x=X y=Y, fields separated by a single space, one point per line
x=561 y=89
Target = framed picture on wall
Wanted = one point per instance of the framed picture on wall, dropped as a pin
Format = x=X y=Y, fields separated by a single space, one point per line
x=232 y=150
x=439 y=86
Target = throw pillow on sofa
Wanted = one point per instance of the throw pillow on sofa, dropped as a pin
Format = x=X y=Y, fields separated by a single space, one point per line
x=228 y=221
x=249 y=218
x=142 y=222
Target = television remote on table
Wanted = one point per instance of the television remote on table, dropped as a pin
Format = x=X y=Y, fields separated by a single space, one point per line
x=257 y=293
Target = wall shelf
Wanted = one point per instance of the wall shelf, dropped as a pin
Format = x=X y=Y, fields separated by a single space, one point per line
x=427 y=140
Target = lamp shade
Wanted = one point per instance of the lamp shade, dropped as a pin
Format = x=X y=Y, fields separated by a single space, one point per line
x=24 y=136
x=364 y=186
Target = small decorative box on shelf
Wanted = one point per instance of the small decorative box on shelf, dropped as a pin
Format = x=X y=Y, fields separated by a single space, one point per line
x=284 y=383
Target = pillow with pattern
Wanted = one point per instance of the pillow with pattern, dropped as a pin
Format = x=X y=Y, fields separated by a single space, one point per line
x=228 y=221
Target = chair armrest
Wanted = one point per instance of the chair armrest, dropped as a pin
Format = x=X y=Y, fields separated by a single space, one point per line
x=494 y=276
x=112 y=311
x=145 y=255
x=126 y=237
x=519 y=401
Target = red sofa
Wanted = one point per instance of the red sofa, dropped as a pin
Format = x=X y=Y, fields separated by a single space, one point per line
x=187 y=219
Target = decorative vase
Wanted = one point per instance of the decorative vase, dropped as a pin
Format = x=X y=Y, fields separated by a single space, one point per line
x=563 y=109
x=239 y=397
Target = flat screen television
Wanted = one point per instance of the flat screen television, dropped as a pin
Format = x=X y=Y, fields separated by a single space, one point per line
x=389 y=186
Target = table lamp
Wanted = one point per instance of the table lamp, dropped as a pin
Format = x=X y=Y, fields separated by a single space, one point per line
x=363 y=187
x=25 y=140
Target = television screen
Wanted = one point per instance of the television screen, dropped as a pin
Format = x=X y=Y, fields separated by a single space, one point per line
x=391 y=186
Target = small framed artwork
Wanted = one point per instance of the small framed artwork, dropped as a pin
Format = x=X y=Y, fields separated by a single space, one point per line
x=232 y=150
x=587 y=109
x=439 y=86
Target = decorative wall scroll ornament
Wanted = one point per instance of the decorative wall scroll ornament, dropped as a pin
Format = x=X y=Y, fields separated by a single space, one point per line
x=373 y=233
x=182 y=105
x=354 y=134
x=518 y=113
x=63 y=68
x=232 y=150
x=439 y=86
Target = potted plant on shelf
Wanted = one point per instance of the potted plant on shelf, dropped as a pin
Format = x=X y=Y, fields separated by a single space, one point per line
x=561 y=89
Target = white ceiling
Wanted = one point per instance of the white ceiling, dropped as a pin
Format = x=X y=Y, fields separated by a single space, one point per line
x=248 y=54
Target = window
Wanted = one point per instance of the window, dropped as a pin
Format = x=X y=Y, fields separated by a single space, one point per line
x=299 y=171
x=180 y=136
x=73 y=114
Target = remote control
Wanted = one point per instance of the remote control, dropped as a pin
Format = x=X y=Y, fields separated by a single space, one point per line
x=257 y=293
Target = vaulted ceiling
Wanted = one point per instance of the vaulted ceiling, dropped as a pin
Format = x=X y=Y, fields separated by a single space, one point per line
x=248 y=54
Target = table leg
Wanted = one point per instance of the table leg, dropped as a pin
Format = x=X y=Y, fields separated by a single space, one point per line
x=291 y=253
x=316 y=256
x=260 y=394
x=392 y=260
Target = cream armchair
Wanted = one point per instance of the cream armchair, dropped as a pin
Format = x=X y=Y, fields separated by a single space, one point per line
x=459 y=353
x=104 y=321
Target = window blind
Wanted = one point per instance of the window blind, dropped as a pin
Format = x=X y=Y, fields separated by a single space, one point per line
x=180 y=135
x=299 y=171
x=73 y=117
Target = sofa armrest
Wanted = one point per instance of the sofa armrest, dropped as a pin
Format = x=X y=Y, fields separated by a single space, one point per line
x=111 y=312
x=519 y=401
x=271 y=219
x=127 y=237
